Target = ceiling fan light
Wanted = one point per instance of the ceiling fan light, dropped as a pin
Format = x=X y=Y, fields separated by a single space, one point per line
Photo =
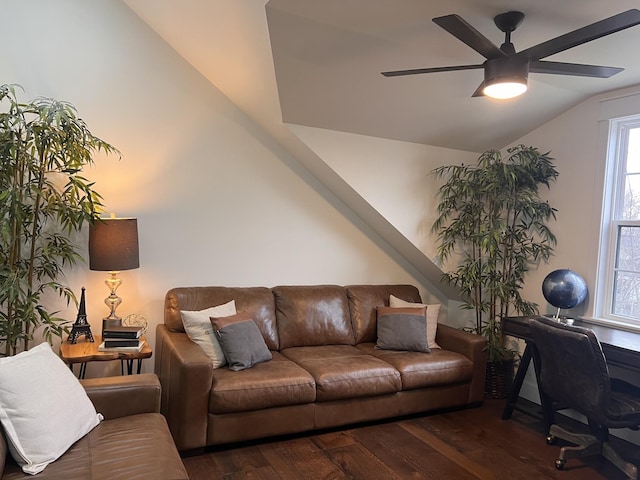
x=504 y=88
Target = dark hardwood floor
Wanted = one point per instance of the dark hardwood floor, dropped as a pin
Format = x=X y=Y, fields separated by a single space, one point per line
x=458 y=445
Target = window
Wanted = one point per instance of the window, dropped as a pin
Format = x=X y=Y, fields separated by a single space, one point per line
x=620 y=277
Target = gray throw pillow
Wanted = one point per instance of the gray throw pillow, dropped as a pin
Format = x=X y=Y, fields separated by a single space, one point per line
x=241 y=341
x=402 y=329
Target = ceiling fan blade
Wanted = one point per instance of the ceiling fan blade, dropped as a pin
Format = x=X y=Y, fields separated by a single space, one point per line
x=575 y=69
x=479 y=91
x=415 y=71
x=583 y=35
x=463 y=31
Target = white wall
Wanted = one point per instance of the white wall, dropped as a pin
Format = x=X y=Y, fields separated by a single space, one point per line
x=395 y=177
x=578 y=141
x=217 y=200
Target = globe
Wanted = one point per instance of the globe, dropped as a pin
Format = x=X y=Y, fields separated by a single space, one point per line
x=564 y=288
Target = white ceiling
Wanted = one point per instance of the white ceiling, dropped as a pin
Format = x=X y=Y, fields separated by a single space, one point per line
x=318 y=62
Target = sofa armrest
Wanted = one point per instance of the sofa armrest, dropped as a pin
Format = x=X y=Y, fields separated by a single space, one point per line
x=116 y=397
x=186 y=375
x=472 y=346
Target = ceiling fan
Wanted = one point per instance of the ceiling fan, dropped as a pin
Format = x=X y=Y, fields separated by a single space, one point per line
x=506 y=71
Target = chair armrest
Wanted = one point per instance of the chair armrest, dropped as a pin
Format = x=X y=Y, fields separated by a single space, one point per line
x=116 y=397
x=186 y=375
x=472 y=346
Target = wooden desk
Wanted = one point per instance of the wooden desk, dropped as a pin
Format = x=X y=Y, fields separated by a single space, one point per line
x=621 y=348
x=84 y=351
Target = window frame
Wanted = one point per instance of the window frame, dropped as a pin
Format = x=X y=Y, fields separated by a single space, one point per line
x=612 y=221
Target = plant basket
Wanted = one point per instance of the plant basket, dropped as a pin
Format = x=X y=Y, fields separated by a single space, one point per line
x=499 y=378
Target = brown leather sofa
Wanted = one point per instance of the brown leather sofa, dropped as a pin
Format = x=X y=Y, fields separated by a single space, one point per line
x=133 y=442
x=324 y=373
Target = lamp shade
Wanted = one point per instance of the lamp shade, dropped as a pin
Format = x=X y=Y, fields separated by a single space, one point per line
x=113 y=244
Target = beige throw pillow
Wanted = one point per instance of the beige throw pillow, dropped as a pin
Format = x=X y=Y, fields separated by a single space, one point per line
x=432 y=317
x=199 y=329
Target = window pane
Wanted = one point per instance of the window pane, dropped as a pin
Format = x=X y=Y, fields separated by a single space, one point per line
x=626 y=294
x=632 y=198
x=633 y=151
x=628 y=257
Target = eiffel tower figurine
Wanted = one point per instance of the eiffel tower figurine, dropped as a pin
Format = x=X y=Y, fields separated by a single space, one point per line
x=81 y=326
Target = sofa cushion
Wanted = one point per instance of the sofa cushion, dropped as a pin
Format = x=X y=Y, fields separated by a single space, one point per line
x=432 y=316
x=343 y=371
x=402 y=329
x=312 y=315
x=363 y=301
x=137 y=447
x=256 y=300
x=36 y=436
x=241 y=341
x=419 y=370
x=271 y=384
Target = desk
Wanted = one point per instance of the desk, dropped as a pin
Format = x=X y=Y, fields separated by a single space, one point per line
x=621 y=348
x=84 y=352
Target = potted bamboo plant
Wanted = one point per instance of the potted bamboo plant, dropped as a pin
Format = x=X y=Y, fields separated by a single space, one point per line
x=44 y=199
x=493 y=221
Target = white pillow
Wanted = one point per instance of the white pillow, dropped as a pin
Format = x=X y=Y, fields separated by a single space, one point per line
x=43 y=408
x=199 y=329
x=432 y=317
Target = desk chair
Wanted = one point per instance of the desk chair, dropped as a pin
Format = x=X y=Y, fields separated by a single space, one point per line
x=574 y=373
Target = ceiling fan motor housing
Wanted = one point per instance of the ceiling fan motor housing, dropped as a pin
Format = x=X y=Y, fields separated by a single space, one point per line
x=505 y=68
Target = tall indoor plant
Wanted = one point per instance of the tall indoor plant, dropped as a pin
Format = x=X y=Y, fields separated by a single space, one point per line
x=491 y=215
x=44 y=199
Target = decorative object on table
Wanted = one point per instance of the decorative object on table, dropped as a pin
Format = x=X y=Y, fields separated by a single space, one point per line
x=564 y=289
x=113 y=246
x=136 y=320
x=491 y=214
x=122 y=337
x=45 y=201
x=81 y=326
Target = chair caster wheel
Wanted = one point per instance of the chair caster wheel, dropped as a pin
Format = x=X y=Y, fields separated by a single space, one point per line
x=551 y=439
x=560 y=464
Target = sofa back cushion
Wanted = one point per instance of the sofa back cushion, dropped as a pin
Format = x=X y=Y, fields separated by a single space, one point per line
x=312 y=315
x=363 y=301
x=258 y=301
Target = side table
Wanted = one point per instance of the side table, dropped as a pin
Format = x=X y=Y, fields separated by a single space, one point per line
x=84 y=352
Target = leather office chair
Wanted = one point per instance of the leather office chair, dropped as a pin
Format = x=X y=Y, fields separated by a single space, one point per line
x=574 y=373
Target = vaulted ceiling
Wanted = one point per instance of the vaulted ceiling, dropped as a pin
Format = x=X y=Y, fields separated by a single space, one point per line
x=326 y=57
x=317 y=63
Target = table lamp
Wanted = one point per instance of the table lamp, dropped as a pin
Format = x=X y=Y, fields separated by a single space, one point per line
x=113 y=247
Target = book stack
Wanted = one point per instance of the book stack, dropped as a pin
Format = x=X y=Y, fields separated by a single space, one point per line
x=121 y=338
